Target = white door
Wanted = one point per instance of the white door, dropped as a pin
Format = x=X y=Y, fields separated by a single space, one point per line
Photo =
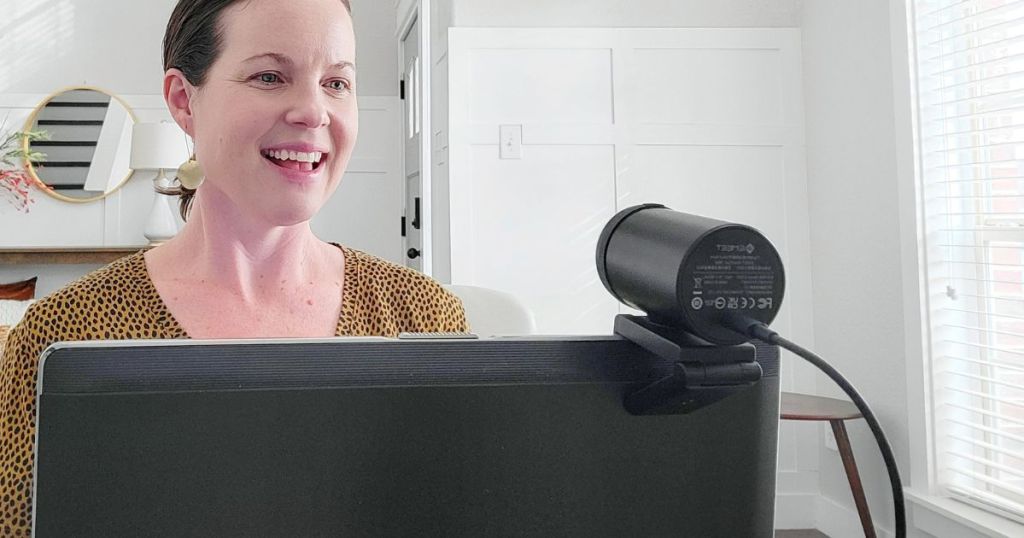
x=412 y=223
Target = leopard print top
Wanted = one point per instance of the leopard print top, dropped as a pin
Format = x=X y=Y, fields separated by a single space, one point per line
x=120 y=302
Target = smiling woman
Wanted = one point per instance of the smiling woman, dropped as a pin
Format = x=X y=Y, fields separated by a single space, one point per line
x=267 y=91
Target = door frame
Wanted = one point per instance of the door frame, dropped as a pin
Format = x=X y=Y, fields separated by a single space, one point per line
x=410 y=12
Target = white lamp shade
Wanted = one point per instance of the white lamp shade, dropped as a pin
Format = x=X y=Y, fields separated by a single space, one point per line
x=158 y=146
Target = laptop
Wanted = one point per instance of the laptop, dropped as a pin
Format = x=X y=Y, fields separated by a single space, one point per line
x=522 y=436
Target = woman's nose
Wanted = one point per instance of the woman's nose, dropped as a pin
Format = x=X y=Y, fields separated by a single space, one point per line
x=307 y=109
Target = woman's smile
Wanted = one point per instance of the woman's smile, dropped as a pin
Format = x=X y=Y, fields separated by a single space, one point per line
x=296 y=162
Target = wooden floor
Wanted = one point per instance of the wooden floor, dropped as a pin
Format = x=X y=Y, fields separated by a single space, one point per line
x=799 y=534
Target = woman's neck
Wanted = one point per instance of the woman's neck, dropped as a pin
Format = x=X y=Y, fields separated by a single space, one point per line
x=253 y=260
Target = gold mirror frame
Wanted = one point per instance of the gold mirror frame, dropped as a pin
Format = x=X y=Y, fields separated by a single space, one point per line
x=31 y=169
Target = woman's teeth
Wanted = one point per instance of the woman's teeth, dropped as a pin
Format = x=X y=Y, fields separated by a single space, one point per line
x=301 y=156
x=295 y=160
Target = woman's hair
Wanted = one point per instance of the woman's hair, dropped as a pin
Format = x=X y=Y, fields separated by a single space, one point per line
x=192 y=42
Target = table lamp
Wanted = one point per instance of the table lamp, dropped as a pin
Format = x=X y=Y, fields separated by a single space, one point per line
x=159 y=147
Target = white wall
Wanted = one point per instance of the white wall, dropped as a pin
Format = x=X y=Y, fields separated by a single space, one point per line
x=628 y=13
x=116 y=44
x=855 y=240
x=49 y=44
x=376 y=47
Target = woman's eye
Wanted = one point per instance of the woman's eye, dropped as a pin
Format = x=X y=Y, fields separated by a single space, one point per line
x=268 y=78
x=338 y=85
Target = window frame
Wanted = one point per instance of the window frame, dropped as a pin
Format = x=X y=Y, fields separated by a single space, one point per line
x=934 y=512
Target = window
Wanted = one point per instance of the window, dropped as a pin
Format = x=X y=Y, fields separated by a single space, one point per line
x=970 y=127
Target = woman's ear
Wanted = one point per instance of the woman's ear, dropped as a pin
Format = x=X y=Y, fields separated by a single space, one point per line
x=178 y=94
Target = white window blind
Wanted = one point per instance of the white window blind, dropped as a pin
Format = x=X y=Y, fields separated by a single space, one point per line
x=970 y=95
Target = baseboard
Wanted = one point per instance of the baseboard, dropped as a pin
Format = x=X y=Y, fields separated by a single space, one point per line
x=791 y=510
x=795 y=492
x=838 y=521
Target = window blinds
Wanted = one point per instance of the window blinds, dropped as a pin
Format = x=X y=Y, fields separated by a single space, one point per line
x=970 y=98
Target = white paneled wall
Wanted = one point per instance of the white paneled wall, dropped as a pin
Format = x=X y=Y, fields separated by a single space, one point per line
x=706 y=121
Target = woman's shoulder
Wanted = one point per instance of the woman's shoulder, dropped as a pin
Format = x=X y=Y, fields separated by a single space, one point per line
x=122 y=277
x=93 y=304
x=414 y=301
x=393 y=276
x=108 y=303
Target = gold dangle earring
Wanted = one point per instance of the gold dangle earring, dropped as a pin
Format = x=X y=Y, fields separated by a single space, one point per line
x=190 y=173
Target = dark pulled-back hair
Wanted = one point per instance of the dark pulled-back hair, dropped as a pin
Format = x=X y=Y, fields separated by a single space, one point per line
x=192 y=42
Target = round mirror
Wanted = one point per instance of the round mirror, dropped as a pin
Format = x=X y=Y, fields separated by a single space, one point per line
x=88 y=147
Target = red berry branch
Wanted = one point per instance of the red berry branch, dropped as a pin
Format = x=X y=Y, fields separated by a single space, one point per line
x=15 y=182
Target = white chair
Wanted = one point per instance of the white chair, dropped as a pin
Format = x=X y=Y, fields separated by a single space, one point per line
x=494 y=313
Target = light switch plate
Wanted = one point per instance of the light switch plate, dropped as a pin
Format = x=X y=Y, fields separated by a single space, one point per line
x=510 y=141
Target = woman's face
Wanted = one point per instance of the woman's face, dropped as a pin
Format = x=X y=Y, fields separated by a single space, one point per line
x=276 y=118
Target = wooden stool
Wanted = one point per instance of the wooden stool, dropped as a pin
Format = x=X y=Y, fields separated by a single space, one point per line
x=807 y=407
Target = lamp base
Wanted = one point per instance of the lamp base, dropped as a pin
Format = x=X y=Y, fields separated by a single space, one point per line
x=161 y=224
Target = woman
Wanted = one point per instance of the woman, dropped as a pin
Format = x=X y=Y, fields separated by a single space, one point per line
x=267 y=90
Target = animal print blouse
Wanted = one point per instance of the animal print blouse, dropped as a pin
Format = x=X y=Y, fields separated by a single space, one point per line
x=120 y=302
